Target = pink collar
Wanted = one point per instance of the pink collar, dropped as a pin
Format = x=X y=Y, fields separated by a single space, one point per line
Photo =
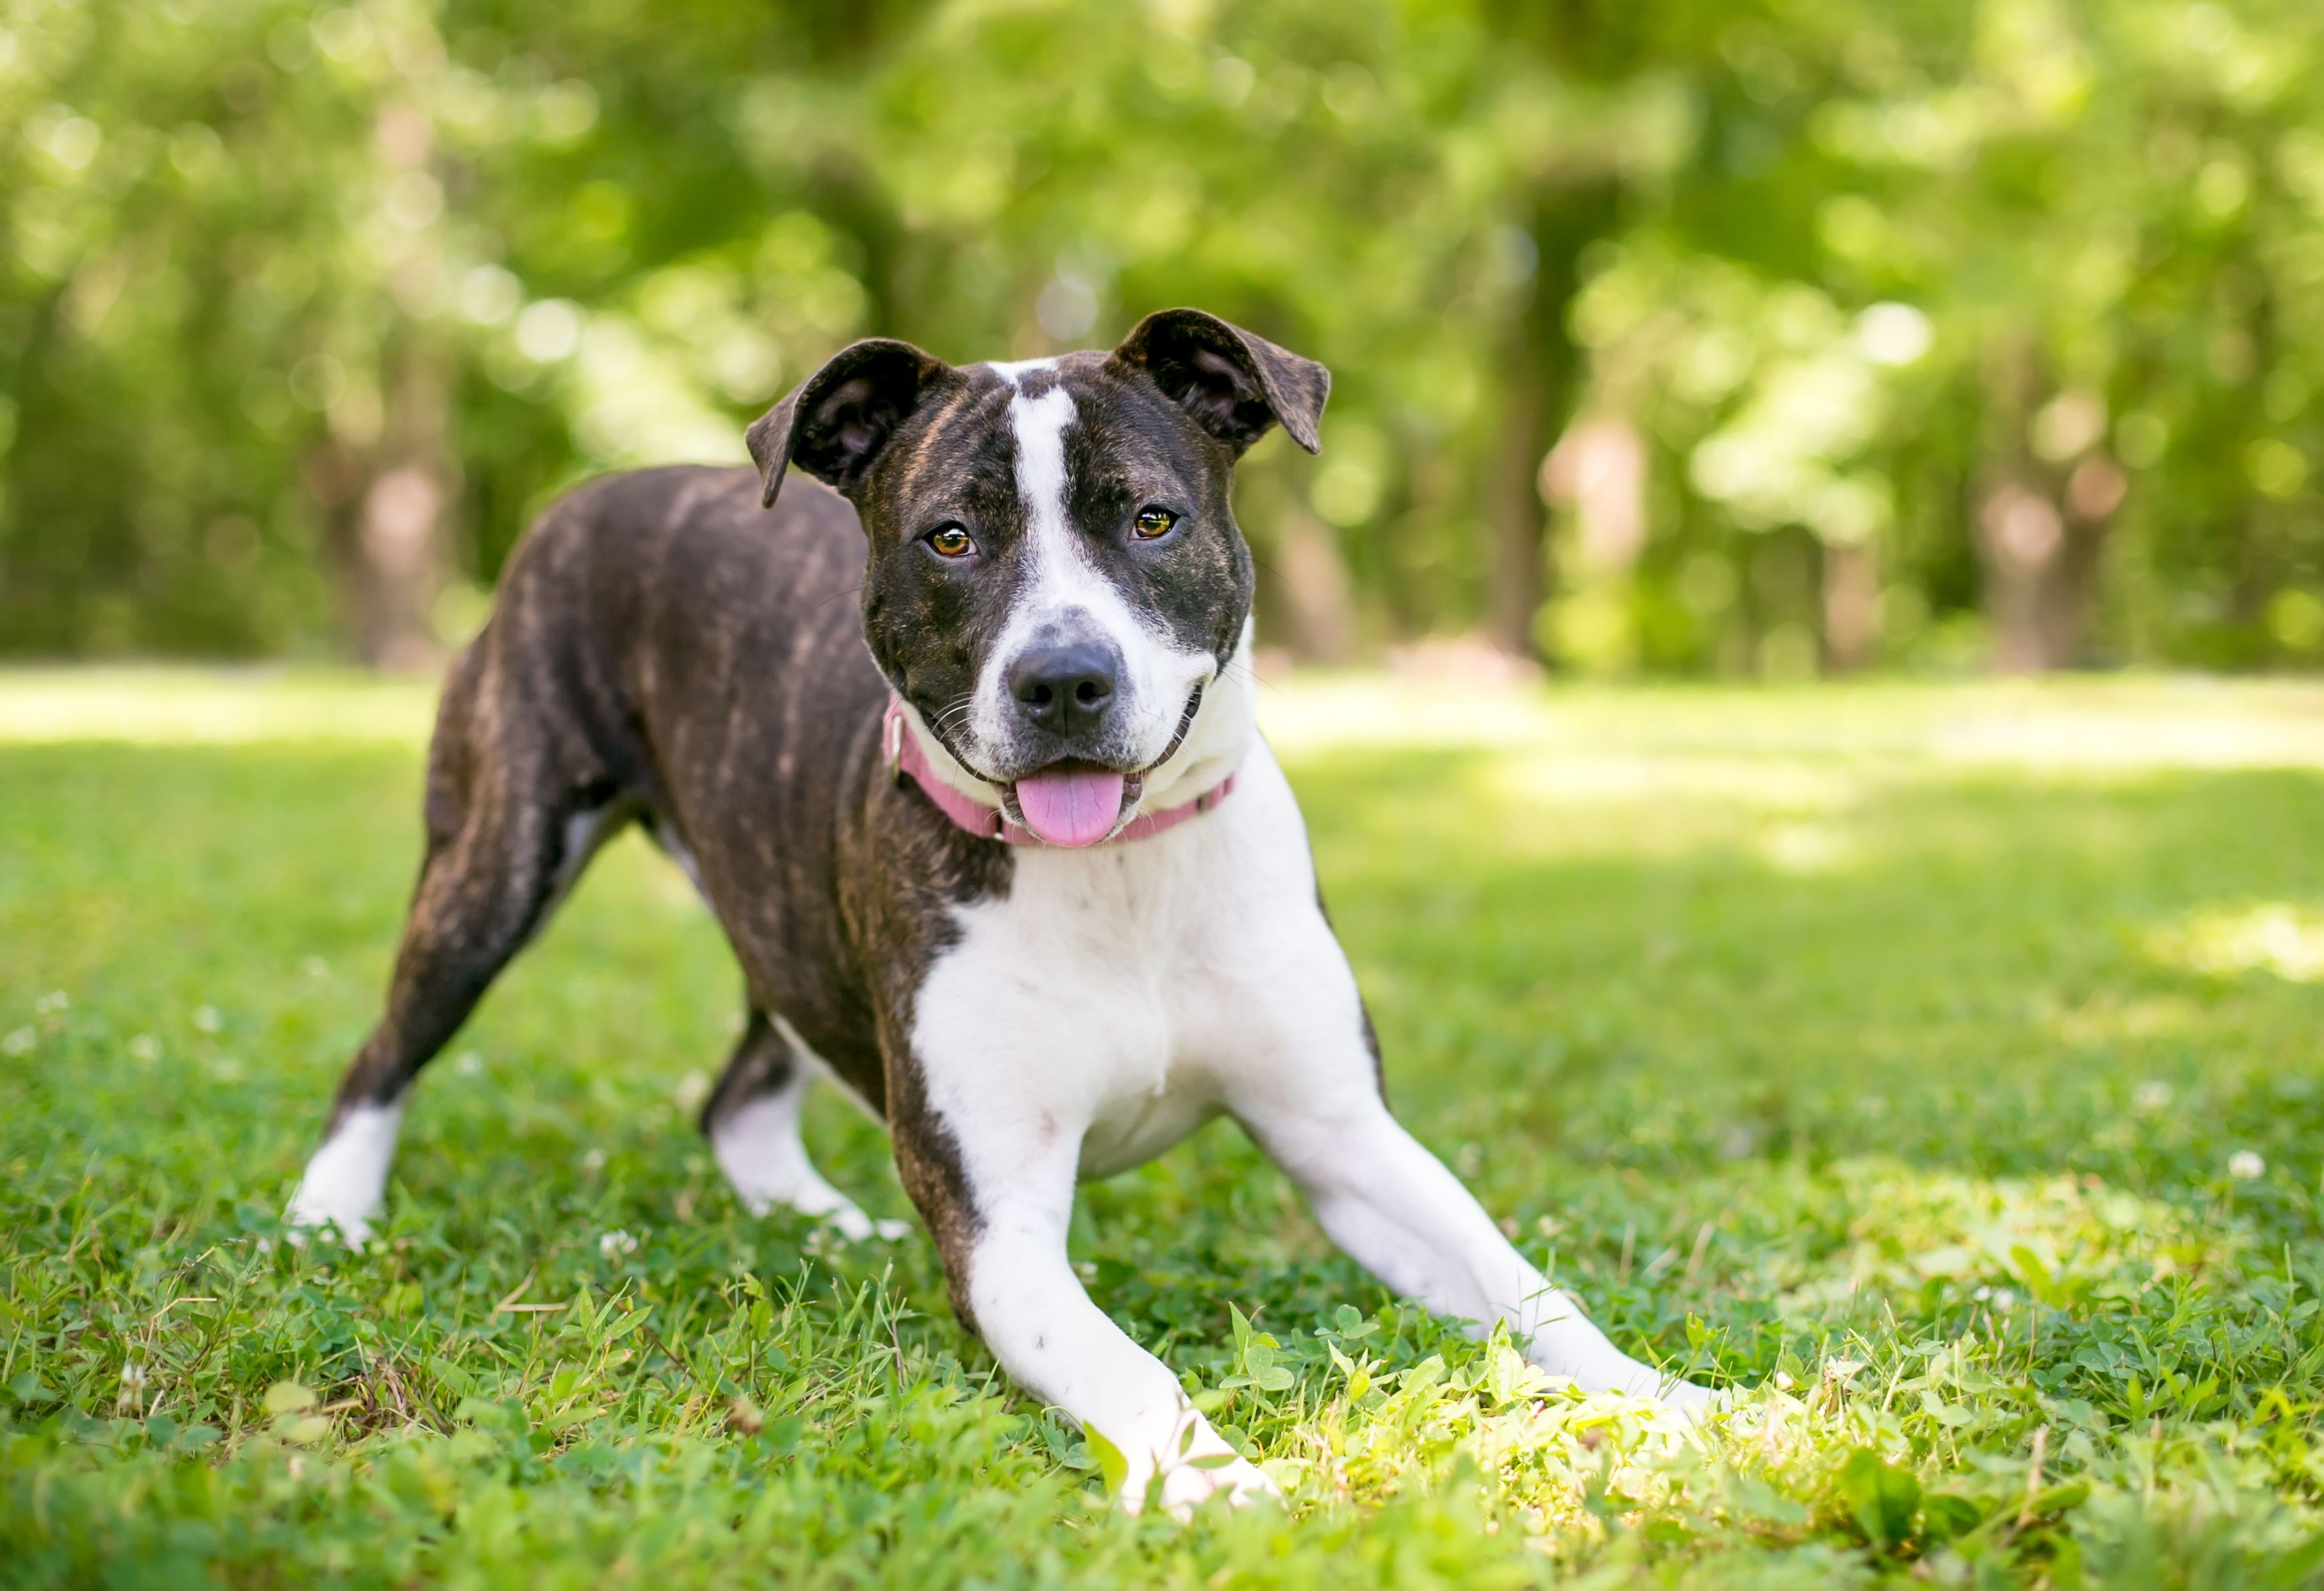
x=906 y=760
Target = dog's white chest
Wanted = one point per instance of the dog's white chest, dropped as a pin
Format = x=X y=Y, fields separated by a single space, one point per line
x=1132 y=1127
x=1068 y=1000
x=1107 y=994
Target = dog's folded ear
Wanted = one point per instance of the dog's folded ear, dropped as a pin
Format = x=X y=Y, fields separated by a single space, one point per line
x=1234 y=383
x=835 y=423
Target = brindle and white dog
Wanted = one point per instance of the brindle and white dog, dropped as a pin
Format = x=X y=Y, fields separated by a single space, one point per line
x=999 y=847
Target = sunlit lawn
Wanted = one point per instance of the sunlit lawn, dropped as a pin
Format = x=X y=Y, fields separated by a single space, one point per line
x=1942 y=1061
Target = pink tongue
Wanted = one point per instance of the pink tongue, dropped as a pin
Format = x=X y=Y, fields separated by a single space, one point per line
x=1070 y=809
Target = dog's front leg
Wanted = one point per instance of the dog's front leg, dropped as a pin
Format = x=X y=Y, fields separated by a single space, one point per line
x=1395 y=1208
x=1001 y=1225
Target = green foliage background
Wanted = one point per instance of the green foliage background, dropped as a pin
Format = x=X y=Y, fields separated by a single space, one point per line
x=1862 y=281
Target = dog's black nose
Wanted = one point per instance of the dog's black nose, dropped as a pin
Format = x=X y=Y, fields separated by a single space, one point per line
x=1064 y=688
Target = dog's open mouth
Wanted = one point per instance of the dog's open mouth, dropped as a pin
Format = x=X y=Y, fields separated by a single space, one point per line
x=1074 y=802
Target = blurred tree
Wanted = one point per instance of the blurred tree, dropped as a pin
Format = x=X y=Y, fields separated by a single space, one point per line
x=1789 y=334
x=292 y=329
x=2003 y=283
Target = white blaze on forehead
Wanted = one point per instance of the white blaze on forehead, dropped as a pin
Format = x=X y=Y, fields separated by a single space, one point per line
x=1010 y=371
x=1040 y=424
x=1061 y=588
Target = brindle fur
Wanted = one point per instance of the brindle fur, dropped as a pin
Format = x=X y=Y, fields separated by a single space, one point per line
x=665 y=649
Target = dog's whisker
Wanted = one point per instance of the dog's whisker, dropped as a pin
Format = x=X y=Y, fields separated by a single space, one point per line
x=953 y=717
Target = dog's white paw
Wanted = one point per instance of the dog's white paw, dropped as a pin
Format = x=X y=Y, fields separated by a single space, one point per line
x=323 y=1206
x=821 y=1202
x=1692 y=1402
x=306 y=1220
x=880 y=1231
x=345 y=1179
x=1188 y=1484
x=853 y=1225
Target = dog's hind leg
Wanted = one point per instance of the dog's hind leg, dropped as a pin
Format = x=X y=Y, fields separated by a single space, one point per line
x=508 y=830
x=753 y=1122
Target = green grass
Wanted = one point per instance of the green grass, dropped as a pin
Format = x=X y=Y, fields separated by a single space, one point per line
x=1942 y=1061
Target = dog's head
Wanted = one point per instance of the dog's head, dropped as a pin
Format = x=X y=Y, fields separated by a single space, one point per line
x=1055 y=576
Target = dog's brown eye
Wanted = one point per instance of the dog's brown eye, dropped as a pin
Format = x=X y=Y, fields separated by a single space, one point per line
x=950 y=541
x=1155 y=521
